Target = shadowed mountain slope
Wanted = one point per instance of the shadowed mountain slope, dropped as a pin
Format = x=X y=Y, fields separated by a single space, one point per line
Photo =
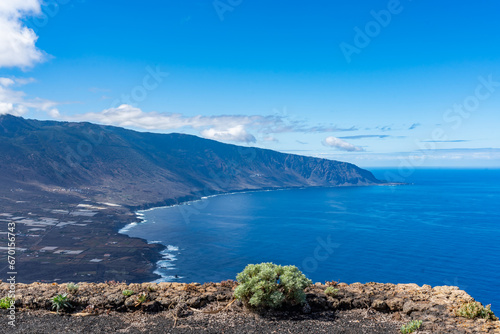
x=138 y=168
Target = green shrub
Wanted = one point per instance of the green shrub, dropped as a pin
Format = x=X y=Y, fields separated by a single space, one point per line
x=60 y=302
x=487 y=313
x=72 y=287
x=6 y=302
x=270 y=285
x=127 y=293
x=411 y=326
x=331 y=291
x=141 y=299
x=473 y=310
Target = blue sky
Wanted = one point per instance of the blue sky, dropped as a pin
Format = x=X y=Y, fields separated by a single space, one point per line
x=376 y=83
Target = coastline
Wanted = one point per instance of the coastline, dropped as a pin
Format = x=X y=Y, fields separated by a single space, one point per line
x=61 y=243
x=167 y=257
x=186 y=263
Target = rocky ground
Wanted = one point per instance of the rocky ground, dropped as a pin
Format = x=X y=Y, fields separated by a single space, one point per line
x=194 y=308
x=62 y=236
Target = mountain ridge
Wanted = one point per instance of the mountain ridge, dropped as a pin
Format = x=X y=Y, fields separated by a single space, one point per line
x=139 y=168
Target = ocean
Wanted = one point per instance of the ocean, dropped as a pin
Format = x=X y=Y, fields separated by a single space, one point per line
x=442 y=228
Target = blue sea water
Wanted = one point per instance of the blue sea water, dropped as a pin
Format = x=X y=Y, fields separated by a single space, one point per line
x=442 y=229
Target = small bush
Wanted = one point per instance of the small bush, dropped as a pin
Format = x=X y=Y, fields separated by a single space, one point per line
x=473 y=310
x=72 y=287
x=331 y=291
x=127 y=293
x=270 y=285
x=411 y=326
x=60 y=302
x=141 y=299
x=487 y=313
x=6 y=302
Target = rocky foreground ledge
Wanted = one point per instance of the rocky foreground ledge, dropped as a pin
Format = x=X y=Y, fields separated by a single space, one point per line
x=194 y=308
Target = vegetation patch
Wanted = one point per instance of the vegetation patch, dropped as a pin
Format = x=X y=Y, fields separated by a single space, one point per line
x=331 y=291
x=268 y=285
x=6 y=302
x=60 y=302
x=411 y=326
x=127 y=293
x=141 y=299
x=473 y=310
x=72 y=287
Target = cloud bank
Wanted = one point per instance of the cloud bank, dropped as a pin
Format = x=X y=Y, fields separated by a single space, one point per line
x=17 y=42
x=365 y=136
x=15 y=102
x=17 y=49
x=236 y=133
x=341 y=144
x=236 y=128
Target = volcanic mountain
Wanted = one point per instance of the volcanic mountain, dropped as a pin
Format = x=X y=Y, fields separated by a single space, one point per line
x=139 y=169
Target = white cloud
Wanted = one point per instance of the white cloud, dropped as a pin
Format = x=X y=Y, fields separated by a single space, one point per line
x=6 y=82
x=341 y=144
x=236 y=133
x=15 y=102
x=129 y=116
x=9 y=108
x=24 y=81
x=270 y=139
x=54 y=113
x=224 y=127
x=219 y=127
x=17 y=42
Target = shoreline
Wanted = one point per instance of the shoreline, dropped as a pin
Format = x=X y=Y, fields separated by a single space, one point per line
x=139 y=215
x=166 y=257
x=74 y=235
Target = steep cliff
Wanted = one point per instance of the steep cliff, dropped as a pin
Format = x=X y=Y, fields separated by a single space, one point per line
x=135 y=168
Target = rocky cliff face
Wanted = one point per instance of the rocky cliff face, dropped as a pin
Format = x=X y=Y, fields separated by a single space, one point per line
x=135 y=168
x=373 y=307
